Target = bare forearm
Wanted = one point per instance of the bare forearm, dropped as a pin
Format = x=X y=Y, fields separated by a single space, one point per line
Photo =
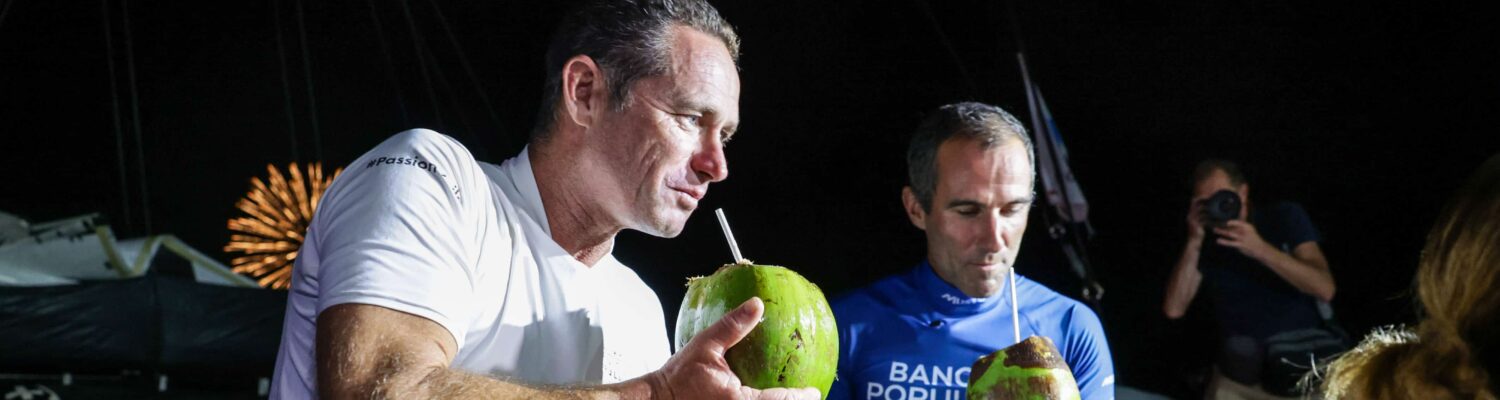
x=1306 y=277
x=1183 y=285
x=371 y=352
x=446 y=383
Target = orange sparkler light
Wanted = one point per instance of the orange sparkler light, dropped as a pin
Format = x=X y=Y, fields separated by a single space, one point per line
x=276 y=217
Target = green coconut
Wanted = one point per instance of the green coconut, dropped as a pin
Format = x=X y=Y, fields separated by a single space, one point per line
x=795 y=345
x=1031 y=370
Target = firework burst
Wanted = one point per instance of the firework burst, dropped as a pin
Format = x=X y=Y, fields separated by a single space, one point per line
x=275 y=217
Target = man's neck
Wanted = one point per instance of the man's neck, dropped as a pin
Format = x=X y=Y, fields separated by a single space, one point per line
x=578 y=223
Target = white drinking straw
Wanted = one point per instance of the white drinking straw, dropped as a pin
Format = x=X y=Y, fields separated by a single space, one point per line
x=734 y=249
x=1015 y=314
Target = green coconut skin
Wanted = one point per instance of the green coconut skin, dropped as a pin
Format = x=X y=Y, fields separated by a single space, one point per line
x=795 y=345
x=1043 y=377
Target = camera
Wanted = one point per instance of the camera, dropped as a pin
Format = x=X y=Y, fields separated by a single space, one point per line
x=1221 y=207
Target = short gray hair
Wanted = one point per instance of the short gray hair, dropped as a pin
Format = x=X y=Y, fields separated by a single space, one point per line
x=629 y=40
x=983 y=122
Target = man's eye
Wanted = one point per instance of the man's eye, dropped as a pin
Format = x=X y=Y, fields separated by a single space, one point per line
x=1012 y=210
x=687 y=120
x=967 y=211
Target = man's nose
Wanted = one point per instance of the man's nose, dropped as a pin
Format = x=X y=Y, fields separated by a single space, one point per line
x=991 y=237
x=709 y=162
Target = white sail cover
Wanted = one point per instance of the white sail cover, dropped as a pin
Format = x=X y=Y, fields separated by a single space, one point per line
x=65 y=251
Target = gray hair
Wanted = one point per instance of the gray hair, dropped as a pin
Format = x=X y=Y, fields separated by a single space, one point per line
x=983 y=122
x=629 y=40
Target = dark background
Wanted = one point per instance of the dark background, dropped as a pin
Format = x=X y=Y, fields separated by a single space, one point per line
x=1367 y=113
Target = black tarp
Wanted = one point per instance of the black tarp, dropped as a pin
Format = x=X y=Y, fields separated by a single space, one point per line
x=219 y=329
x=91 y=326
x=158 y=323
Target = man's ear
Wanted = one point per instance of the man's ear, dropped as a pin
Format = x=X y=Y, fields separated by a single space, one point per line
x=914 y=209
x=582 y=90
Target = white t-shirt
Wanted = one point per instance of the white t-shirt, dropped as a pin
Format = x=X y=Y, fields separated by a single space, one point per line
x=417 y=225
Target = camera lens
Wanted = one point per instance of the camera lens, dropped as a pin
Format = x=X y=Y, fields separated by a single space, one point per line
x=1221 y=207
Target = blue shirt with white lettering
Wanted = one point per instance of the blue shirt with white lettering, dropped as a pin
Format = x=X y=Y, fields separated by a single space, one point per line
x=913 y=336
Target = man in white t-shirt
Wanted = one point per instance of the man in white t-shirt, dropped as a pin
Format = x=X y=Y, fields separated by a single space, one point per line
x=428 y=274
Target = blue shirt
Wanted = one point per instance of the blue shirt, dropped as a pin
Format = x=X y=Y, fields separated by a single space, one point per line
x=914 y=336
x=1248 y=298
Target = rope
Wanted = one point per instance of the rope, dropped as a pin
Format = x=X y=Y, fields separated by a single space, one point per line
x=286 y=86
x=6 y=11
x=416 y=43
x=312 y=101
x=952 y=52
x=390 y=65
x=463 y=119
x=135 y=111
x=464 y=61
x=114 y=97
x=1015 y=27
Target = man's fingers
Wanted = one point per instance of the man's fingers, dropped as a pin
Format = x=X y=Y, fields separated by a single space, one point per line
x=732 y=327
x=781 y=394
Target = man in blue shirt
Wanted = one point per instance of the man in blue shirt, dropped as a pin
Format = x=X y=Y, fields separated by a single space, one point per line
x=913 y=336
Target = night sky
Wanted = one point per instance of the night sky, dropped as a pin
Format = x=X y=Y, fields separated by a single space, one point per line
x=1369 y=114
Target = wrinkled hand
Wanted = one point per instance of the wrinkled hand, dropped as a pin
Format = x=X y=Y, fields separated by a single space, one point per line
x=1242 y=236
x=699 y=371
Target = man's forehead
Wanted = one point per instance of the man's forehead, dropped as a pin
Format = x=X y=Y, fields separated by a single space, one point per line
x=690 y=42
x=1007 y=155
x=1002 y=167
x=701 y=55
x=703 y=72
x=1215 y=181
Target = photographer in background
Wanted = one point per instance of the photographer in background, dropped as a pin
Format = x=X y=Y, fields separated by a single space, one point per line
x=1266 y=280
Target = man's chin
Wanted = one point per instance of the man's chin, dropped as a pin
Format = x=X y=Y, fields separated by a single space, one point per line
x=667 y=233
x=987 y=287
x=666 y=226
x=982 y=293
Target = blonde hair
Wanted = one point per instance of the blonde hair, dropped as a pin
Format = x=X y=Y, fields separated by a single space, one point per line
x=1444 y=356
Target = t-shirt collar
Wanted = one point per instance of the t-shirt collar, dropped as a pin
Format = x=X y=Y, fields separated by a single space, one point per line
x=519 y=171
x=947 y=299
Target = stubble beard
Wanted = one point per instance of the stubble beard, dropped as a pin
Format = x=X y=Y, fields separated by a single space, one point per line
x=660 y=218
x=990 y=284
